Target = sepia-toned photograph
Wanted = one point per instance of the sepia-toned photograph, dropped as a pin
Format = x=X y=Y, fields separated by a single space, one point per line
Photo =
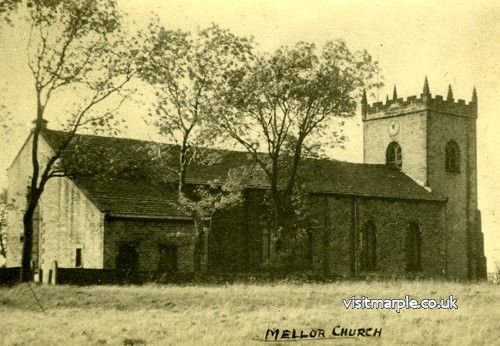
x=248 y=172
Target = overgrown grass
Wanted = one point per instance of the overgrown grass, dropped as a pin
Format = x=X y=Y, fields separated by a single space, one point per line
x=236 y=314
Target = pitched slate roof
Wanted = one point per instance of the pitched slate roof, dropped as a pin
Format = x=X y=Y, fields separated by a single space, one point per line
x=131 y=198
x=359 y=179
x=143 y=196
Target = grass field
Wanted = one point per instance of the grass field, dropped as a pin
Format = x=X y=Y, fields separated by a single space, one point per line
x=237 y=314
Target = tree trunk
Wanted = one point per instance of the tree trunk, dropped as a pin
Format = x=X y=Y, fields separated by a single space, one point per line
x=297 y=157
x=275 y=198
x=199 y=246
x=26 y=274
x=33 y=198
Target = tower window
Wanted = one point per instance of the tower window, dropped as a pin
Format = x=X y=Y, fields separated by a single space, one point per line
x=452 y=157
x=394 y=156
x=368 y=245
x=413 y=248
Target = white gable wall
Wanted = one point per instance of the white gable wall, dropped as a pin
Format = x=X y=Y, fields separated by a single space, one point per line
x=67 y=219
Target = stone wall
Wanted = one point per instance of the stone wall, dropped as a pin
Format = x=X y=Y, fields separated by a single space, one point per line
x=69 y=221
x=412 y=137
x=65 y=220
x=149 y=235
x=19 y=179
x=238 y=241
x=460 y=188
x=427 y=125
x=230 y=247
x=345 y=216
x=239 y=238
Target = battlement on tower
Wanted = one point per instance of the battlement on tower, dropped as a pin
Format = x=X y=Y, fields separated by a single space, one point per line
x=398 y=106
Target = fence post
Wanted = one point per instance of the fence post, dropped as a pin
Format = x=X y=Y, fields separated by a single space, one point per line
x=54 y=273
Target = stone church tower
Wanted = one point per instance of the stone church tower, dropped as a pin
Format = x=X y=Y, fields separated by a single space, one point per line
x=433 y=140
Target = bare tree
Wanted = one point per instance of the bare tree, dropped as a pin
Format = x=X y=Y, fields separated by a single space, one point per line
x=77 y=47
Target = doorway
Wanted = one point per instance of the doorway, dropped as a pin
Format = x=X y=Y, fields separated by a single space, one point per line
x=127 y=259
x=168 y=258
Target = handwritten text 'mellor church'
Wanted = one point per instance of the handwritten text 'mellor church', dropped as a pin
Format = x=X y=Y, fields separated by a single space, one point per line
x=338 y=331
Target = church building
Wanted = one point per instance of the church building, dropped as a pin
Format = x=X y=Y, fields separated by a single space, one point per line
x=409 y=210
x=434 y=141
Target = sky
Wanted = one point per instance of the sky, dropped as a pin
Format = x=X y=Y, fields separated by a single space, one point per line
x=450 y=42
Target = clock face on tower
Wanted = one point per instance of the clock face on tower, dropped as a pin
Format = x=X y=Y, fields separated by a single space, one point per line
x=393 y=127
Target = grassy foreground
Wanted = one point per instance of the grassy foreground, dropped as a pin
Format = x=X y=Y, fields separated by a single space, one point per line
x=237 y=314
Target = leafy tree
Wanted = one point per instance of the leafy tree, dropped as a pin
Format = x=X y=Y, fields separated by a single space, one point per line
x=185 y=69
x=74 y=47
x=7 y=7
x=287 y=104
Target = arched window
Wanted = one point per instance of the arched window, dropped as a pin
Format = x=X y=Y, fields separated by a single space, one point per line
x=413 y=248
x=452 y=157
x=368 y=246
x=393 y=155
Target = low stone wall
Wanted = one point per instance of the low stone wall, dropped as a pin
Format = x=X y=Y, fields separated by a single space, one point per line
x=9 y=276
x=82 y=276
